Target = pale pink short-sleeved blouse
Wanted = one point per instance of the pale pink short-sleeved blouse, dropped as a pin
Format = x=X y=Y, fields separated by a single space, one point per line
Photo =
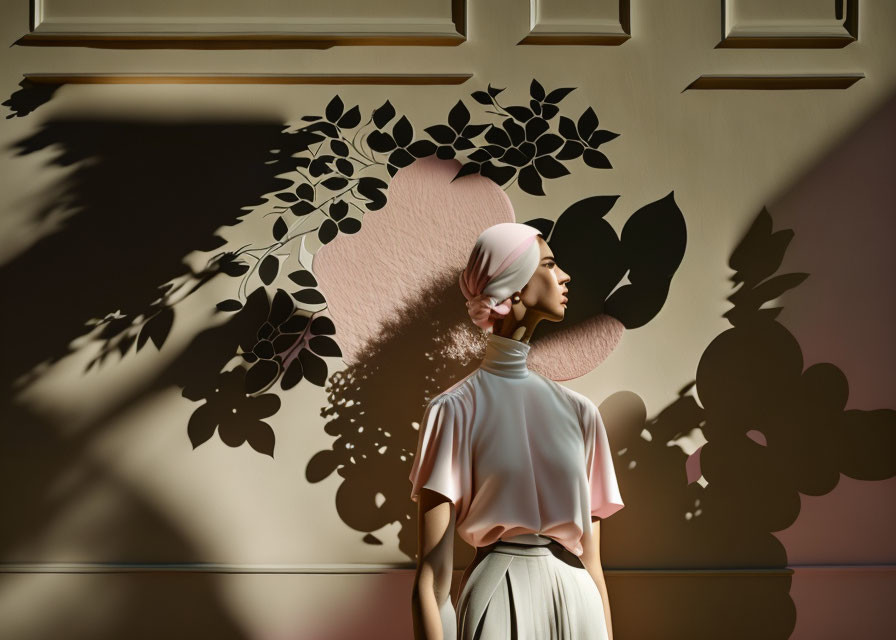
x=517 y=453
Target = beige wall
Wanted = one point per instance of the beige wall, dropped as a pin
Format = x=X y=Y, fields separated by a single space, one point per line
x=97 y=467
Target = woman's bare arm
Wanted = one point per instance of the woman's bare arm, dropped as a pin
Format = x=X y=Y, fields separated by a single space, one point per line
x=591 y=559
x=435 y=564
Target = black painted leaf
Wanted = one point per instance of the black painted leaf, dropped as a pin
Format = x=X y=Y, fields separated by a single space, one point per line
x=345 y=167
x=493 y=92
x=515 y=157
x=296 y=324
x=473 y=130
x=281 y=307
x=229 y=305
x=467 y=169
x=371 y=189
x=459 y=116
x=550 y=168
x=534 y=128
x=498 y=136
x=325 y=233
x=600 y=136
x=303 y=278
x=401 y=158
x=292 y=376
x=310 y=118
x=379 y=141
x=248 y=356
x=260 y=375
x=519 y=113
x=324 y=346
x=548 y=143
x=261 y=438
x=596 y=159
x=497 y=174
x=568 y=128
x=548 y=111
x=319 y=167
x=535 y=106
x=339 y=147
x=422 y=148
x=494 y=150
x=480 y=155
x=392 y=169
x=335 y=183
x=441 y=133
x=482 y=98
x=351 y=119
x=461 y=144
x=280 y=228
x=287 y=197
x=338 y=209
x=311 y=296
x=268 y=269
x=587 y=123
x=323 y=326
x=334 y=109
x=200 y=428
x=516 y=132
x=303 y=208
x=264 y=349
x=325 y=128
x=530 y=181
x=557 y=95
x=302 y=161
x=571 y=150
x=528 y=150
x=350 y=225
x=305 y=191
x=314 y=367
x=403 y=132
x=445 y=153
x=383 y=114
x=536 y=90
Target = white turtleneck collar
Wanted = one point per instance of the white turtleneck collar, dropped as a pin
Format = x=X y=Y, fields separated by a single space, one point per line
x=506 y=357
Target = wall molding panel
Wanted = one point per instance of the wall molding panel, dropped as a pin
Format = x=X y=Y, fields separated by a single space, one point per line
x=446 y=27
x=604 y=22
x=837 y=30
x=247 y=78
x=776 y=82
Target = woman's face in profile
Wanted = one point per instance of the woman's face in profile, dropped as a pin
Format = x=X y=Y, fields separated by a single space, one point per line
x=546 y=290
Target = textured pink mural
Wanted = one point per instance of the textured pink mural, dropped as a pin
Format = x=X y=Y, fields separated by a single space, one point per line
x=420 y=238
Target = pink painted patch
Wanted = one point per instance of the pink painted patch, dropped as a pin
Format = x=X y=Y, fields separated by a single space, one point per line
x=692 y=466
x=384 y=278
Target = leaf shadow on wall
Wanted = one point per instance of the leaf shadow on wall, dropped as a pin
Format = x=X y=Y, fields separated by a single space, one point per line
x=137 y=198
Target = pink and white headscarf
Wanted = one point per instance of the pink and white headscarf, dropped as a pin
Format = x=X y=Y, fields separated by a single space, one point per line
x=502 y=261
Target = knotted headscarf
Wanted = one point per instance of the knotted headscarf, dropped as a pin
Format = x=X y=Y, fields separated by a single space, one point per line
x=502 y=261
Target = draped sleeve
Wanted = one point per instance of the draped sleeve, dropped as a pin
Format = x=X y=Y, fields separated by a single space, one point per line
x=442 y=462
x=605 y=497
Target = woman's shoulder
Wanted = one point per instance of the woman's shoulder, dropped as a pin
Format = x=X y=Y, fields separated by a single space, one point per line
x=462 y=390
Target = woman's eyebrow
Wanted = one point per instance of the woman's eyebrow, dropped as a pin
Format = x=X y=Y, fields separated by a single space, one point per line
x=548 y=258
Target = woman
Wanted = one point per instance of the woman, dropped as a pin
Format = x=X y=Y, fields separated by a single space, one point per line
x=518 y=465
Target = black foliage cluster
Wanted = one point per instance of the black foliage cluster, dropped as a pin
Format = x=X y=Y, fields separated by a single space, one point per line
x=290 y=343
x=335 y=155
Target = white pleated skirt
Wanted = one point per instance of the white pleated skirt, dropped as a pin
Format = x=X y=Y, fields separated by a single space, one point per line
x=534 y=591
